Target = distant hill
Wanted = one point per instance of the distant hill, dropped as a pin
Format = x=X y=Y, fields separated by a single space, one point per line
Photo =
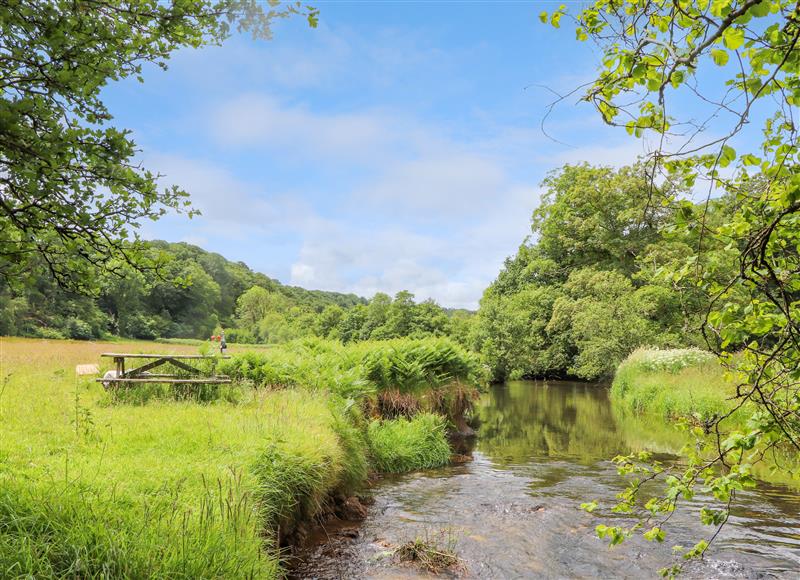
x=149 y=305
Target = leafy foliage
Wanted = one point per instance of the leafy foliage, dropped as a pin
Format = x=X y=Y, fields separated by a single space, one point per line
x=71 y=194
x=654 y=54
x=591 y=286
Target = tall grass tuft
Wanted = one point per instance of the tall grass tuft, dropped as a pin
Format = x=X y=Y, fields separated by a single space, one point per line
x=672 y=383
x=401 y=445
x=67 y=529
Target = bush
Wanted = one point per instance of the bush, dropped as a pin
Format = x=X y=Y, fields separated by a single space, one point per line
x=139 y=326
x=46 y=332
x=240 y=336
x=414 y=365
x=396 y=377
x=78 y=329
x=401 y=445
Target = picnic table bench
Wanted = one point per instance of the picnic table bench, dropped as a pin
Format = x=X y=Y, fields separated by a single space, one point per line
x=142 y=374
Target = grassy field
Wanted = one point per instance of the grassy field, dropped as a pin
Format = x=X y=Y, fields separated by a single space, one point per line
x=92 y=487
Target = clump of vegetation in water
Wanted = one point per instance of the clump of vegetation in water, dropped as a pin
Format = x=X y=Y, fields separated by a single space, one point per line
x=401 y=445
x=435 y=555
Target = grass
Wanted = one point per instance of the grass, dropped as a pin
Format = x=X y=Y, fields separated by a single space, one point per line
x=196 y=342
x=691 y=384
x=162 y=487
x=673 y=384
x=433 y=554
x=401 y=445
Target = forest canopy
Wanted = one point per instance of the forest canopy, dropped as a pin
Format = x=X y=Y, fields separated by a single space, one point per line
x=196 y=293
x=593 y=281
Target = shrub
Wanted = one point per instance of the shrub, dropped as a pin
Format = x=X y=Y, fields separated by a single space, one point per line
x=46 y=332
x=401 y=445
x=394 y=378
x=139 y=326
x=78 y=329
x=414 y=365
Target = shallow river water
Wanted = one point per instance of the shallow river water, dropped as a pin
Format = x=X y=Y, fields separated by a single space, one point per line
x=513 y=512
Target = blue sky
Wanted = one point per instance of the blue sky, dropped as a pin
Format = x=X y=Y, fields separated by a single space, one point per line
x=396 y=146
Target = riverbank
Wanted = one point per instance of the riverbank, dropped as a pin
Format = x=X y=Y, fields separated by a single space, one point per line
x=169 y=488
x=672 y=383
x=691 y=385
x=514 y=511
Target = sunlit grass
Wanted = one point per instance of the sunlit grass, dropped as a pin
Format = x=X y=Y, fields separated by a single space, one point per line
x=673 y=383
x=691 y=386
x=401 y=445
x=169 y=489
x=144 y=485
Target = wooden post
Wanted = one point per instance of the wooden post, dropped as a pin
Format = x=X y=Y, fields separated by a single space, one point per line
x=120 y=362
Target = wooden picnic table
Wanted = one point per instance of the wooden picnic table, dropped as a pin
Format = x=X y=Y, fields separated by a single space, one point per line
x=142 y=374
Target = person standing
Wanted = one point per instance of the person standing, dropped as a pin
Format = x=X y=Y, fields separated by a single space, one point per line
x=223 y=346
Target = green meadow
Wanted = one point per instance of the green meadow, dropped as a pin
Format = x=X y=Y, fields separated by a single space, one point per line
x=162 y=486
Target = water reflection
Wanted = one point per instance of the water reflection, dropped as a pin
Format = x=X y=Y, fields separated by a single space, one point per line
x=542 y=449
x=520 y=422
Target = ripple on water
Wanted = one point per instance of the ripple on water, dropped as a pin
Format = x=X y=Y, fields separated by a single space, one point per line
x=542 y=450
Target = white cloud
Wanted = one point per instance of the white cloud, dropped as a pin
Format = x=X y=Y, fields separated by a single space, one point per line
x=226 y=201
x=426 y=213
x=442 y=185
x=261 y=120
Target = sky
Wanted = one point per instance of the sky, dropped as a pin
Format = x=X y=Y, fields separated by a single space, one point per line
x=396 y=146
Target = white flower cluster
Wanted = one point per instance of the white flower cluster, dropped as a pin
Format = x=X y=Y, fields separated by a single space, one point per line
x=672 y=360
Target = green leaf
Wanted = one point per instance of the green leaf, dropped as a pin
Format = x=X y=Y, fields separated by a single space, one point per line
x=654 y=534
x=761 y=9
x=589 y=506
x=733 y=38
x=720 y=57
x=750 y=160
x=728 y=152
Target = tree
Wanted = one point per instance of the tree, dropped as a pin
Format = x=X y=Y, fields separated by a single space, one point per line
x=328 y=320
x=597 y=216
x=511 y=333
x=70 y=193
x=654 y=53
x=585 y=289
x=400 y=318
x=606 y=319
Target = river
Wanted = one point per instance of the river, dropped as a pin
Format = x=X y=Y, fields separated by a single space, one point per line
x=513 y=512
